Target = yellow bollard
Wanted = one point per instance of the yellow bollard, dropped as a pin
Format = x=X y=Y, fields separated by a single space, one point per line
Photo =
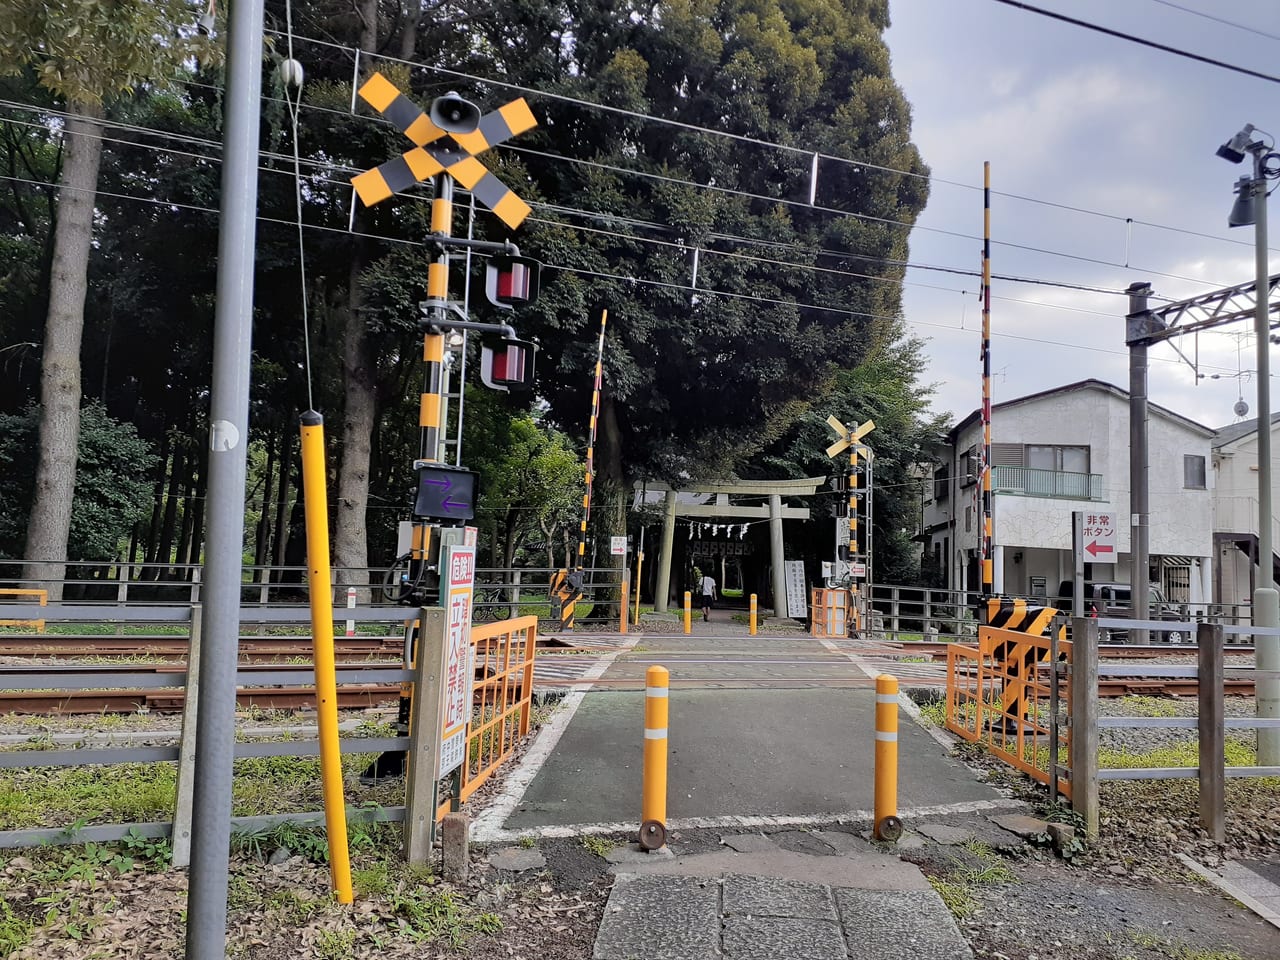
x=653 y=791
x=315 y=498
x=688 y=612
x=752 y=628
x=887 y=824
x=622 y=607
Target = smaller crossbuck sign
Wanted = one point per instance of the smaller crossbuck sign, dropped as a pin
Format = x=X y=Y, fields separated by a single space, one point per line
x=437 y=151
x=846 y=436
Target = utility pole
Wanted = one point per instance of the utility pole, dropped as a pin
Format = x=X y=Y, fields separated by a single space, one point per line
x=1139 y=321
x=228 y=444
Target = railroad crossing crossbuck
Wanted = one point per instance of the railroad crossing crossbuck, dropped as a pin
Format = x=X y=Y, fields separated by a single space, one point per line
x=437 y=151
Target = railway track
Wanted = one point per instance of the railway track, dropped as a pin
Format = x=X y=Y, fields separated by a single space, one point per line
x=353 y=696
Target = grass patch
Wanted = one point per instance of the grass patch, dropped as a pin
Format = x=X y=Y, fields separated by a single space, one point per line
x=979 y=867
x=1186 y=754
x=600 y=846
x=1139 y=706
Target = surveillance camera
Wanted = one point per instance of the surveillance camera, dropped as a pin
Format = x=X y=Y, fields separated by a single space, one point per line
x=205 y=25
x=1234 y=149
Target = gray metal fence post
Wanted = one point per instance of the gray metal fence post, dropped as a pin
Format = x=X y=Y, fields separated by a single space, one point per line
x=426 y=720
x=1211 y=726
x=186 y=785
x=1084 y=721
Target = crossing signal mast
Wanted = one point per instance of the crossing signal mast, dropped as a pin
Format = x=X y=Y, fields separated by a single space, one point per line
x=436 y=543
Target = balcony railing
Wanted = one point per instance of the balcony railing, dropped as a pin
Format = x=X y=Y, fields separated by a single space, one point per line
x=1053 y=484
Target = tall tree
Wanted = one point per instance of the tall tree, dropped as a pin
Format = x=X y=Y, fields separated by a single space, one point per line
x=85 y=52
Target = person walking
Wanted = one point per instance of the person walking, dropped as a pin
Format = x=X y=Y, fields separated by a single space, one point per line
x=708 y=595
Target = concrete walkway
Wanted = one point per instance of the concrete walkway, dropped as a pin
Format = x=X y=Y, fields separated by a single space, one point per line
x=764 y=899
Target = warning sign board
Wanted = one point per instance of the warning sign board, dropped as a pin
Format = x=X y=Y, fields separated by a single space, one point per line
x=459 y=670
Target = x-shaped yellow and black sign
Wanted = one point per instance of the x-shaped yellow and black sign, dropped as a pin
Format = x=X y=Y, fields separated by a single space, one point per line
x=437 y=151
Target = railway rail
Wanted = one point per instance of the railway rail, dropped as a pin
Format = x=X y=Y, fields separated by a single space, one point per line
x=116 y=688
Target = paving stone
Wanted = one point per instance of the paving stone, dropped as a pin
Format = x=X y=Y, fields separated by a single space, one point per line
x=660 y=918
x=842 y=842
x=768 y=897
x=896 y=925
x=944 y=833
x=1021 y=824
x=782 y=938
x=633 y=853
x=801 y=841
x=517 y=859
x=748 y=842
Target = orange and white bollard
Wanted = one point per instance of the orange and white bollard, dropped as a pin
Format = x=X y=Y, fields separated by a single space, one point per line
x=887 y=824
x=653 y=798
x=751 y=627
x=688 y=612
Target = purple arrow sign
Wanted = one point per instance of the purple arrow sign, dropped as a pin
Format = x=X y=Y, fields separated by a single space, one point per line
x=446 y=482
x=451 y=504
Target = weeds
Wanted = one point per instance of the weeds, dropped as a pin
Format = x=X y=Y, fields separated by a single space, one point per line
x=600 y=846
x=336 y=944
x=958 y=885
x=428 y=915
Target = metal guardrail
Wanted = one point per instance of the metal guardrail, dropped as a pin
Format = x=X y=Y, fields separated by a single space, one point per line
x=504 y=655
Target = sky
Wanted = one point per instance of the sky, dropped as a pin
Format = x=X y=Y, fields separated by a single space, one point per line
x=1074 y=118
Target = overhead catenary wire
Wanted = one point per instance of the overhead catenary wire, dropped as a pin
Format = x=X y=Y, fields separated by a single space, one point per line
x=822 y=209
x=709 y=131
x=599 y=215
x=1141 y=41
x=701 y=291
x=1216 y=19
x=294 y=106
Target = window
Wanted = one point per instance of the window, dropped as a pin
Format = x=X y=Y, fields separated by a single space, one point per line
x=942 y=483
x=1059 y=458
x=1193 y=471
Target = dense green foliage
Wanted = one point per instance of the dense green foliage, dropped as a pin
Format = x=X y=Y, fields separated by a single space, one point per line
x=112 y=492
x=796 y=311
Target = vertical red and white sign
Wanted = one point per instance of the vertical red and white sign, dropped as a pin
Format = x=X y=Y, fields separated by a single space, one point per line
x=459 y=671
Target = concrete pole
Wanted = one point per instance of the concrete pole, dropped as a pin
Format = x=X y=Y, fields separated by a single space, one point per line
x=1139 y=507
x=662 y=589
x=228 y=443
x=776 y=556
x=1266 y=601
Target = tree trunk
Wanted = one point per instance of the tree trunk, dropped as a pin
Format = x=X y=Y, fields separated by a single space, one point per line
x=164 y=552
x=195 y=549
x=612 y=494
x=49 y=524
x=409 y=32
x=262 y=536
x=157 y=508
x=359 y=370
x=282 y=496
x=188 y=517
x=350 y=538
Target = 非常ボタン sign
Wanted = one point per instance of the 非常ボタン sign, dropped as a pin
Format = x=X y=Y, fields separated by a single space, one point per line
x=457 y=586
x=618 y=546
x=1100 y=537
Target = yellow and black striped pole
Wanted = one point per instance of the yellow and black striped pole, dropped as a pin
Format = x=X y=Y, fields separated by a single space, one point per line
x=987 y=525
x=591 y=442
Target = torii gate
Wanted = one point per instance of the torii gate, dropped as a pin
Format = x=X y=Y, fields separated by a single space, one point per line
x=688 y=503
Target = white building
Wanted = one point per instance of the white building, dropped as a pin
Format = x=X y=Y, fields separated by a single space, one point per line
x=1235 y=509
x=1061 y=451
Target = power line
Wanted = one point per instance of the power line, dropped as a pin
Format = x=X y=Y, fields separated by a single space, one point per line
x=674 y=244
x=1142 y=41
x=708 y=131
x=625 y=279
x=1223 y=20
x=745 y=194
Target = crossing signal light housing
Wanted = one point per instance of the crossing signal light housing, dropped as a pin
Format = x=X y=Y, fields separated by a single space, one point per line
x=842 y=553
x=508 y=365
x=512 y=281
